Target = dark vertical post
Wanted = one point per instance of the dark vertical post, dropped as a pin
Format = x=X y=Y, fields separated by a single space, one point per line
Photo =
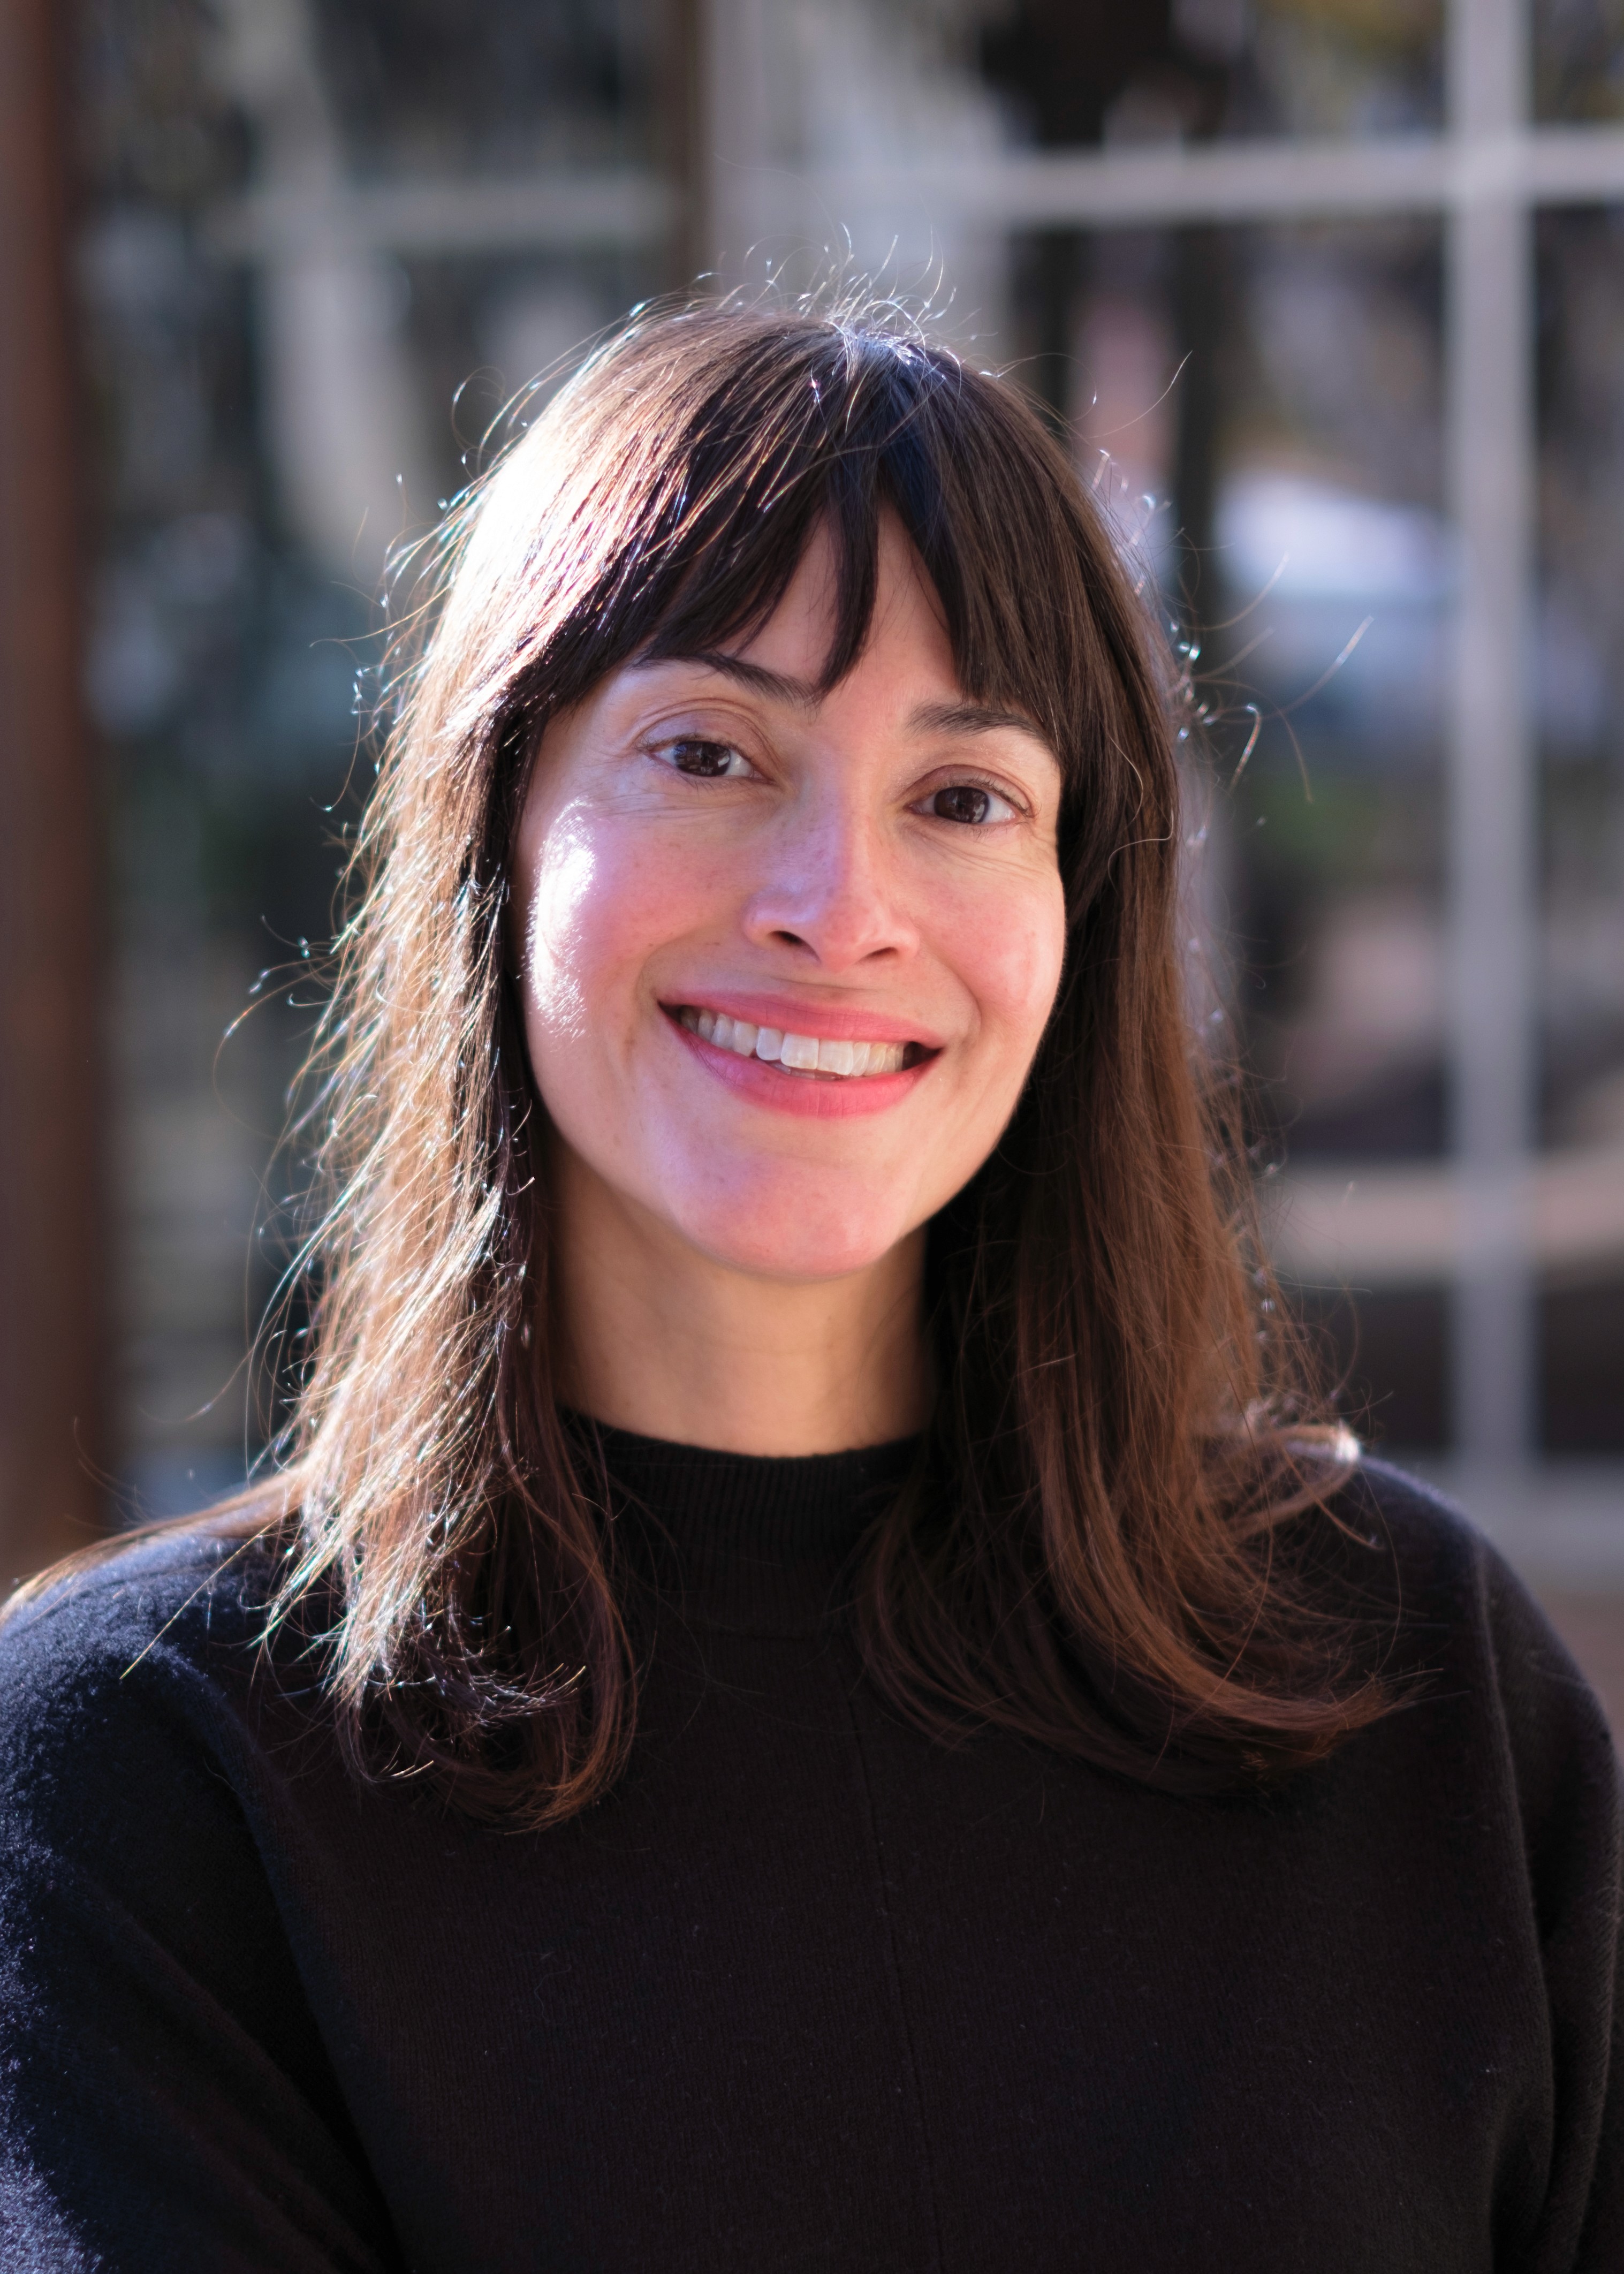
x=53 y=1258
x=1057 y=261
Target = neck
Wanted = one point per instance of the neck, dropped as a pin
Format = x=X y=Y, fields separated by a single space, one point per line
x=663 y=1340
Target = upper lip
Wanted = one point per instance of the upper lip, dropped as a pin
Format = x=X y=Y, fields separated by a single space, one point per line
x=828 y=1021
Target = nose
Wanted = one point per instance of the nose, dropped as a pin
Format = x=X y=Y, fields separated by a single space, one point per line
x=832 y=890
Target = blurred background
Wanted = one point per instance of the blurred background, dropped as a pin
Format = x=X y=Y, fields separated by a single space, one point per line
x=1327 y=297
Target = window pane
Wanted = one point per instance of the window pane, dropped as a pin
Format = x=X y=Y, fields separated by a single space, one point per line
x=430 y=90
x=1578 y=59
x=1208 y=69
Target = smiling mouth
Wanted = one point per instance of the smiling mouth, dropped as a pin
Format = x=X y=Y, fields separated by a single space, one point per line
x=805 y=1054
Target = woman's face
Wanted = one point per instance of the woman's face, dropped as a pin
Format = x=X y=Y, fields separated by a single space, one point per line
x=785 y=958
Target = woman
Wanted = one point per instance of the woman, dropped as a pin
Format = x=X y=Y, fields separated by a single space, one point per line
x=805 y=1693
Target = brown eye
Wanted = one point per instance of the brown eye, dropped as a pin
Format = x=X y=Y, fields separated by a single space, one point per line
x=710 y=761
x=964 y=801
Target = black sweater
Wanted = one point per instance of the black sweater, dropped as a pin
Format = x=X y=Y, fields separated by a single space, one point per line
x=807 y=1989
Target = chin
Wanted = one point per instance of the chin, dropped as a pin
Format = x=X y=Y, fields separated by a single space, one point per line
x=795 y=1239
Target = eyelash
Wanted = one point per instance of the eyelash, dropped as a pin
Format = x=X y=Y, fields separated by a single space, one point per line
x=664 y=753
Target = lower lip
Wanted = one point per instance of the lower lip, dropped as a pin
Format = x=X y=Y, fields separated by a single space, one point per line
x=834 y=1098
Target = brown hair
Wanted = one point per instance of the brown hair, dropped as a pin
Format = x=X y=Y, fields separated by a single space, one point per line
x=1094 y=1548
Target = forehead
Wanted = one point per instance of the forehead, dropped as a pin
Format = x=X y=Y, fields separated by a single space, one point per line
x=907 y=630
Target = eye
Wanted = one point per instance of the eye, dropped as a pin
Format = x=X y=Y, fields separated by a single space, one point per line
x=707 y=760
x=970 y=804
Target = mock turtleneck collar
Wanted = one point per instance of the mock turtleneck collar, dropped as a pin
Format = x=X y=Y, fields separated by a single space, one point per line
x=740 y=1540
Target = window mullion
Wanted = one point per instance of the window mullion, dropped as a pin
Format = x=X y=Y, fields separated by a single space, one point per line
x=1491 y=822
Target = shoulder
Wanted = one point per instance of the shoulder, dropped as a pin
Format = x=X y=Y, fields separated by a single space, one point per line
x=1445 y=1579
x=1485 y=1677
x=139 y=1746
x=1421 y=1556
x=197 y=1583
x=1432 y=1539
x=1397 y=1544
x=162 y=2072
x=164 y=1628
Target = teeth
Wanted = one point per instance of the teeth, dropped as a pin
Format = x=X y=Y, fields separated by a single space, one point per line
x=802 y=1053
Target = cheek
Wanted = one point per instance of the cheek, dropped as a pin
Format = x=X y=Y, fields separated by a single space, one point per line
x=556 y=961
x=600 y=906
x=1008 y=948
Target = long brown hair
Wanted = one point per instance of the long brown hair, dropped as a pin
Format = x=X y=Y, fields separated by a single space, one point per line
x=1094 y=1548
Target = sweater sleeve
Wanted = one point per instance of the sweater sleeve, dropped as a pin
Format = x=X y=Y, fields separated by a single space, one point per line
x=165 y=2100
x=1568 y=1793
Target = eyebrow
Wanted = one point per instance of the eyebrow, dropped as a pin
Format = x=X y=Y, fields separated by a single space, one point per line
x=965 y=718
x=781 y=686
x=973 y=719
